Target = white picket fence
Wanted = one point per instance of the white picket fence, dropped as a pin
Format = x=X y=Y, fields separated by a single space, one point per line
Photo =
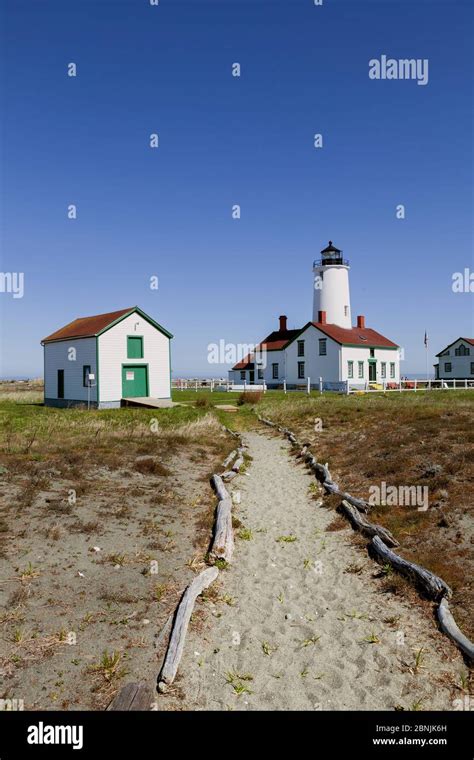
x=323 y=386
x=411 y=385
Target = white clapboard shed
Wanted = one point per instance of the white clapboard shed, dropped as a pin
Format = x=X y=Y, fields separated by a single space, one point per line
x=106 y=360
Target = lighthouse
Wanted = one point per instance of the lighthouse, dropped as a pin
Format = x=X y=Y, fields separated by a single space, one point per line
x=331 y=288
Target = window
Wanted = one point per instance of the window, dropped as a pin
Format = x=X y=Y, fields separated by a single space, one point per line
x=392 y=369
x=372 y=353
x=383 y=369
x=260 y=374
x=346 y=311
x=462 y=350
x=361 y=368
x=350 y=369
x=472 y=368
x=242 y=375
x=301 y=348
x=85 y=375
x=134 y=347
x=448 y=367
x=275 y=371
x=322 y=346
x=300 y=370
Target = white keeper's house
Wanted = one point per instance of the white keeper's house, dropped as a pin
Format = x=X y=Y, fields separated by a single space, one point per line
x=106 y=359
x=456 y=361
x=327 y=347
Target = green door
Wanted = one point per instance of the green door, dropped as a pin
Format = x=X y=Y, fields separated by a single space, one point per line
x=372 y=371
x=134 y=381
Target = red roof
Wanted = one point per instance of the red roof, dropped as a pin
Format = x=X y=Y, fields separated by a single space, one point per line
x=277 y=340
x=86 y=327
x=355 y=336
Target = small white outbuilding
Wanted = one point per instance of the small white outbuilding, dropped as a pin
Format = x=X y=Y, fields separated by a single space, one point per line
x=106 y=359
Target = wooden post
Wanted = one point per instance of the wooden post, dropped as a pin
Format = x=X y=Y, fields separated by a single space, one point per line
x=308 y=390
x=347 y=387
x=284 y=387
x=196 y=386
x=264 y=387
x=320 y=384
x=212 y=384
x=245 y=385
x=454 y=384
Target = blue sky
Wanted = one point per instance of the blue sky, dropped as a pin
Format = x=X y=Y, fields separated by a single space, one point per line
x=225 y=141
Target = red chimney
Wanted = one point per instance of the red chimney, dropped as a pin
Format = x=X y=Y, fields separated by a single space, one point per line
x=322 y=317
x=283 y=327
x=361 y=321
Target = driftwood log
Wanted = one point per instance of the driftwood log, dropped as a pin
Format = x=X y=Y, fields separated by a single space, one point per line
x=229 y=459
x=361 y=505
x=433 y=586
x=231 y=432
x=223 y=540
x=239 y=461
x=219 y=487
x=133 y=696
x=448 y=625
x=363 y=526
x=180 y=627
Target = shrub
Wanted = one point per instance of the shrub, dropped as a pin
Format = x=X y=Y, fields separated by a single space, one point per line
x=249 y=397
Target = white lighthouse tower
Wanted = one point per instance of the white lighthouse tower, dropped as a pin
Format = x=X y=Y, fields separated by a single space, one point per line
x=331 y=288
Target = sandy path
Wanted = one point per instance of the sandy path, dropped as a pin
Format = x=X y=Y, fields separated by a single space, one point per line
x=299 y=622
